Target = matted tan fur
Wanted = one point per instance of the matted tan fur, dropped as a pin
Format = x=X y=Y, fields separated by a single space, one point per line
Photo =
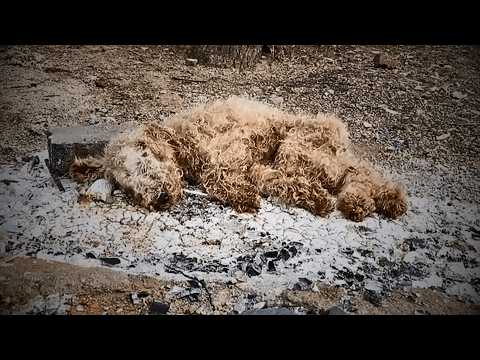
x=238 y=150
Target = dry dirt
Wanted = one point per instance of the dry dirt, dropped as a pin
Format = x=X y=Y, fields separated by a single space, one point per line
x=419 y=119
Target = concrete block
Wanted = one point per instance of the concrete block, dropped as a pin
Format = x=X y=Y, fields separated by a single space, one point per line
x=81 y=141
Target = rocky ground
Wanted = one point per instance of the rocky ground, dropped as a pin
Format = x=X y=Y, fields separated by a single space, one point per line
x=416 y=121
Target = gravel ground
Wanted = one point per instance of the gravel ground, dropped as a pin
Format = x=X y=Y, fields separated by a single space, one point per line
x=416 y=121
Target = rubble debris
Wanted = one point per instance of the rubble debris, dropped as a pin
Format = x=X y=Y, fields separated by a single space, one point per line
x=443 y=137
x=458 y=95
x=81 y=141
x=303 y=284
x=34 y=162
x=135 y=299
x=270 y=311
x=382 y=61
x=110 y=261
x=335 y=310
x=158 y=308
x=54 y=176
x=191 y=62
x=100 y=190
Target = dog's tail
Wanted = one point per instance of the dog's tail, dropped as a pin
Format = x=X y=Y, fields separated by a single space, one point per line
x=87 y=169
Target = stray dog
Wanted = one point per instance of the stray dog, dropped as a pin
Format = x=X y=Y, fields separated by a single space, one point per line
x=239 y=150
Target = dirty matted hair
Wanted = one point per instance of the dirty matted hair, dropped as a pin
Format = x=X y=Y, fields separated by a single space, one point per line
x=239 y=150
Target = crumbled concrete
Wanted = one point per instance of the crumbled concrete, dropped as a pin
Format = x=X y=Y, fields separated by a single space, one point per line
x=66 y=143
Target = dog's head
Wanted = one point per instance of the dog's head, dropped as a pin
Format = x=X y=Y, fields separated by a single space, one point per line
x=150 y=177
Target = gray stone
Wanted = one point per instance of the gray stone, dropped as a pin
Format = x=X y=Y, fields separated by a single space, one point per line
x=269 y=311
x=81 y=141
x=101 y=190
x=335 y=310
x=191 y=62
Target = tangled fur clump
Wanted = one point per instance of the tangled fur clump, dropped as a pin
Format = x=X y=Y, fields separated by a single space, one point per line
x=239 y=150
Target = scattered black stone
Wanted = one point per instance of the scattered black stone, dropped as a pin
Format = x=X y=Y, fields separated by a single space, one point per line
x=284 y=254
x=251 y=296
x=89 y=255
x=303 y=284
x=269 y=311
x=192 y=294
x=321 y=274
x=271 y=266
x=348 y=251
x=335 y=310
x=410 y=270
x=359 y=277
x=58 y=253
x=293 y=250
x=158 y=308
x=143 y=294
x=271 y=254
x=365 y=252
x=110 y=260
x=194 y=283
x=415 y=243
x=475 y=233
x=363 y=228
x=318 y=251
x=253 y=270
x=183 y=262
x=373 y=297
x=384 y=262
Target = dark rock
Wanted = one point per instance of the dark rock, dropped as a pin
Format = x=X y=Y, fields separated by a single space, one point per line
x=271 y=254
x=384 y=262
x=191 y=294
x=101 y=83
x=303 y=284
x=269 y=311
x=253 y=270
x=335 y=310
x=158 y=308
x=365 y=252
x=415 y=243
x=293 y=250
x=373 y=297
x=110 y=260
x=381 y=61
x=143 y=294
x=284 y=255
x=90 y=255
x=271 y=266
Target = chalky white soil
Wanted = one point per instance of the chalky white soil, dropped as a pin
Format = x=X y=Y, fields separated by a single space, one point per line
x=435 y=245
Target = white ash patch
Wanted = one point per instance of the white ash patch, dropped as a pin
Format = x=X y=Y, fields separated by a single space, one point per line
x=434 y=245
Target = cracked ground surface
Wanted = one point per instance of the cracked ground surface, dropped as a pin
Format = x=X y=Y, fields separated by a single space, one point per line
x=59 y=255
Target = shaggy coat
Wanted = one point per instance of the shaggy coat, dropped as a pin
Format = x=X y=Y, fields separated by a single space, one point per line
x=239 y=150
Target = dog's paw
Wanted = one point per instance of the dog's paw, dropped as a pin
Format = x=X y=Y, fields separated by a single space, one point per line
x=355 y=206
x=391 y=201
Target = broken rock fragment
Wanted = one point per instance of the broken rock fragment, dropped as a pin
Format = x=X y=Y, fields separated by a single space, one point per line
x=100 y=190
x=382 y=61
